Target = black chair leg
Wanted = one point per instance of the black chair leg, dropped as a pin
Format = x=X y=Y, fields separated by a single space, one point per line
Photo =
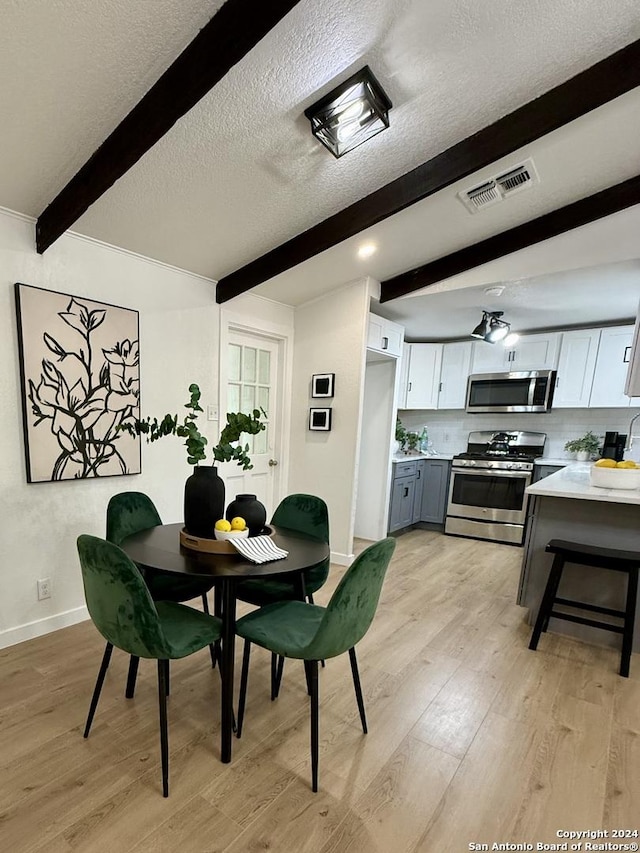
x=213 y=650
x=167 y=680
x=131 y=677
x=104 y=666
x=629 y=618
x=546 y=605
x=307 y=675
x=277 y=668
x=358 y=688
x=244 y=678
x=313 y=679
x=164 y=734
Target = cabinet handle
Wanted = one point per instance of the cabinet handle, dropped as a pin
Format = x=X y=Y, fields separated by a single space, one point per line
x=409 y=387
x=406 y=491
x=385 y=343
x=419 y=473
x=440 y=387
x=625 y=358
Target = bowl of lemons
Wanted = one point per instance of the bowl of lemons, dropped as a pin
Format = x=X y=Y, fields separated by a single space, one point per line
x=236 y=528
x=609 y=474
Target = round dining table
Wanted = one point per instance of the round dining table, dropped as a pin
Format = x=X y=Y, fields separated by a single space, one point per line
x=159 y=549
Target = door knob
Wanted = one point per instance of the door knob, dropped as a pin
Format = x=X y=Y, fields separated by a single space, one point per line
x=273 y=463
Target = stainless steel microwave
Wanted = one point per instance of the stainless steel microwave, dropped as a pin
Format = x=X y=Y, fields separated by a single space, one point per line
x=522 y=391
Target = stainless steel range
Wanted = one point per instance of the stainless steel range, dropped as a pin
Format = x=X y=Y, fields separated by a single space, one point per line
x=487 y=497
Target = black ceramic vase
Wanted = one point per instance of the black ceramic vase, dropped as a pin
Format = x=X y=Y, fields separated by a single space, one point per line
x=249 y=508
x=203 y=501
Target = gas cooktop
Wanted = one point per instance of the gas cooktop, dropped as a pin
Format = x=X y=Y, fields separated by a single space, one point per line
x=513 y=449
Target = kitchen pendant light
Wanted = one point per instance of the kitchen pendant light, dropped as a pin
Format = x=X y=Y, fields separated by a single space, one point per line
x=491 y=328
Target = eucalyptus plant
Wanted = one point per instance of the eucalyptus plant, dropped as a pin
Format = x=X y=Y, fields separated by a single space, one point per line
x=225 y=451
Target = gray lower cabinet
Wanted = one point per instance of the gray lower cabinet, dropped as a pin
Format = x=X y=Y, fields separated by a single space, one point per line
x=435 y=490
x=419 y=492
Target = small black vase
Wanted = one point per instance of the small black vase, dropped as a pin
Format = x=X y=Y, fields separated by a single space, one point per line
x=253 y=512
x=203 y=501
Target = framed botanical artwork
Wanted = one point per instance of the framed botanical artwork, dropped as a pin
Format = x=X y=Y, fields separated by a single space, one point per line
x=80 y=374
x=323 y=384
x=320 y=419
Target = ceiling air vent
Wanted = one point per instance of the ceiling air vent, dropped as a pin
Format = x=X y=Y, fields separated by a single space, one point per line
x=496 y=189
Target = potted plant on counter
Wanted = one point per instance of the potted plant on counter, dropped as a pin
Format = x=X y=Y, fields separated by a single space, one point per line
x=204 y=493
x=584 y=447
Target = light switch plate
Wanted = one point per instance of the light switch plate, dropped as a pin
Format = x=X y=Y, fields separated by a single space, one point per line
x=212 y=413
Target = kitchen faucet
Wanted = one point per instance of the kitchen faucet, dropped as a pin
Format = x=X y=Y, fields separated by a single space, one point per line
x=629 y=444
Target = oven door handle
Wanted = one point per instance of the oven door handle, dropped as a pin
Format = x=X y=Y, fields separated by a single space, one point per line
x=491 y=472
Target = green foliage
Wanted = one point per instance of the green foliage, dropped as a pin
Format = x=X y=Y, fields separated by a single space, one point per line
x=589 y=442
x=401 y=434
x=225 y=451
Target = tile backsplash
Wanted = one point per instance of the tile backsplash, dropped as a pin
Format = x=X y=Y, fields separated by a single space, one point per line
x=449 y=429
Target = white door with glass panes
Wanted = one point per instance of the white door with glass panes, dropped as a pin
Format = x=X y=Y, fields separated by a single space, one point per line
x=252 y=383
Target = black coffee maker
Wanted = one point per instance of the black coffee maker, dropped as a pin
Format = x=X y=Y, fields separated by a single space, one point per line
x=613 y=447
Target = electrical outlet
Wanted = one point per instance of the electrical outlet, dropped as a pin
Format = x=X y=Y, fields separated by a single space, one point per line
x=44 y=588
x=212 y=413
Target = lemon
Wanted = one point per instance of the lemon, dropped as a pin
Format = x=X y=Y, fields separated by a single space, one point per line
x=238 y=523
x=606 y=463
x=626 y=463
x=223 y=525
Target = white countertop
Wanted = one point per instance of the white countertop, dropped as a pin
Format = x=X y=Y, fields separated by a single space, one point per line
x=412 y=457
x=573 y=482
x=549 y=460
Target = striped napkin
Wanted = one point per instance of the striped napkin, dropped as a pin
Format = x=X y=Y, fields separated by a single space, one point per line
x=258 y=549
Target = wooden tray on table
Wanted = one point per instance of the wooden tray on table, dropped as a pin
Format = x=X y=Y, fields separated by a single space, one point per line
x=213 y=546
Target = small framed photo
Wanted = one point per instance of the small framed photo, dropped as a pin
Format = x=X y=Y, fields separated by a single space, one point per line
x=323 y=384
x=320 y=419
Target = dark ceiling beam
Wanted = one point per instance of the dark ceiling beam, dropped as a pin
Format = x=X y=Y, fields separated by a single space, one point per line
x=232 y=32
x=559 y=221
x=603 y=82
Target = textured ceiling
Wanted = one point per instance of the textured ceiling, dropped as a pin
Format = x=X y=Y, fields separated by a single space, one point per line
x=241 y=173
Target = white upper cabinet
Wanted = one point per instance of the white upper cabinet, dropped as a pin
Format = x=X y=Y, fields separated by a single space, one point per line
x=531 y=352
x=535 y=352
x=611 y=368
x=488 y=358
x=456 y=363
x=423 y=379
x=384 y=336
x=576 y=366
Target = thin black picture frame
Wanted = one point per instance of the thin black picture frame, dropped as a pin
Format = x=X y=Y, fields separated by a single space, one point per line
x=323 y=385
x=320 y=420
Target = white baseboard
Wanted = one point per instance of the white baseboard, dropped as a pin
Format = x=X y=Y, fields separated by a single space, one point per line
x=20 y=633
x=341 y=559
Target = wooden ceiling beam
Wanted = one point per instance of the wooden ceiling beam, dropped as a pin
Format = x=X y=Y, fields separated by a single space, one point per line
x=232 y=32
x=589 y=209
x=602 y=82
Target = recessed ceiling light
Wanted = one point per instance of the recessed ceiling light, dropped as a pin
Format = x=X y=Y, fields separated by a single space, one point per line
x=495 y=290
x=366 y=250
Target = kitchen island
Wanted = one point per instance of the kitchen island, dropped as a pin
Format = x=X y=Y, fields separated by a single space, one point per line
x=565 y=506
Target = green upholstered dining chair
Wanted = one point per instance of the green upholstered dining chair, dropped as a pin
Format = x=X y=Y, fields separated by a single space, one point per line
x=307 y=632
x=129 y=513
x=124 y=613
x=305 y=514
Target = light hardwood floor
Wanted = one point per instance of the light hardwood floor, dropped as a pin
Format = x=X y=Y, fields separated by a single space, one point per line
x=472 y=737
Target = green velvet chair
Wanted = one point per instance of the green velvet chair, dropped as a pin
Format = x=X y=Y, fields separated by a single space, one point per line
x=307 y=632
x=123 y=611
x=129 y=513
x=305 y=514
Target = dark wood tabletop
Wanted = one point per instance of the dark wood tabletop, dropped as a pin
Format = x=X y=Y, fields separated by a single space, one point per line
x=160 y=548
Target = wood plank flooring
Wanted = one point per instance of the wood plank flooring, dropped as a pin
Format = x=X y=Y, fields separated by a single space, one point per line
x=472 y=737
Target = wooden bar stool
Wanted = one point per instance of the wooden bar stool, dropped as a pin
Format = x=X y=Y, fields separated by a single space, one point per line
x=602 y=558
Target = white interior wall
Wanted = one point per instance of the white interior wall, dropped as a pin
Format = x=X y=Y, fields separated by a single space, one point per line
x=330 y=337
x=39 y=522
x=374 y=470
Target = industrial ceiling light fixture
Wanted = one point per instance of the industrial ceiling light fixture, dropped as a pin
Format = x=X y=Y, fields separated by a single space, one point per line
x=350 y=114
x=491 y=328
